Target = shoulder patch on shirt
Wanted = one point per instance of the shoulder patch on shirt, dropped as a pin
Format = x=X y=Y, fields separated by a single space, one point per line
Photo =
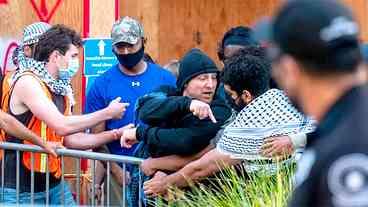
x=348 y=180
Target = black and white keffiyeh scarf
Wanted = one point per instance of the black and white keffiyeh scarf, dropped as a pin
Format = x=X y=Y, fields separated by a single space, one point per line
x=270 y=114
x=57 y=86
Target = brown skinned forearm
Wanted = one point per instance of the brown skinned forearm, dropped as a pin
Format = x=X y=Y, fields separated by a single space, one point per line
x=13 y=127
x=210 y=163
x=176 y=162
x=84 y=141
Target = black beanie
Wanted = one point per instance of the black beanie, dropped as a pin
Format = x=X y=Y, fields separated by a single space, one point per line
x=194 y=63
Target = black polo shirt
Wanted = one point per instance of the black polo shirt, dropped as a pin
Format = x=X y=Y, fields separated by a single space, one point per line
x=333 y=171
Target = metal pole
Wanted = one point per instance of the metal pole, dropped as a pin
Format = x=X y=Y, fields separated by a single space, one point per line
x=124 y=182
x=47 y=181
x=140 y=188
x=78 y=180
x=74 y=153
x=32 y=178
x=62 y=181
x=108 y=184
x=2 y=176
x=17 y=176
x=93 y=181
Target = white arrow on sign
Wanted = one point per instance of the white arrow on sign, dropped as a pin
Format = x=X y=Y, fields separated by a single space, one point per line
x=101 y=48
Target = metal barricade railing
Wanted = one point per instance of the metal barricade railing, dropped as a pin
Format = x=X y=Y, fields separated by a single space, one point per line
x=62 y=152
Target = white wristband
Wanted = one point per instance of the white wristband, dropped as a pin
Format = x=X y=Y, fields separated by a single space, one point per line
x=298 y=140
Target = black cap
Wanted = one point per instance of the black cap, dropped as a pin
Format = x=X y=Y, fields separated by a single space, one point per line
x=364 y=49
x=194 y=63
x=318 y=32
x=239 y=35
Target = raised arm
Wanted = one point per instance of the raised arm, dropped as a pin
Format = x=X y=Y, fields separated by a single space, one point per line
x=29 y=92
x=186 y=140
x=155 y=108
x=84 y=141
x=180 y=141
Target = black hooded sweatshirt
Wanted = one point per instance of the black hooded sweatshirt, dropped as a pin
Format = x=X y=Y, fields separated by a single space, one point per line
x=169 y=126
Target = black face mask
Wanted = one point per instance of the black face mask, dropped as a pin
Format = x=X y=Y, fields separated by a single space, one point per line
x=130 y=60
x=232 y=103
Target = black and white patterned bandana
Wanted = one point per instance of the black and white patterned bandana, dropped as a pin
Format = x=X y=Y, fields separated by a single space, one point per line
x=270 y=114
x=57 y=86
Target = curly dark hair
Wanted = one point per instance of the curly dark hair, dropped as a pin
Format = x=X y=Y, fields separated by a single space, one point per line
x=245 y=33
x=58 y=37
x=249 y=69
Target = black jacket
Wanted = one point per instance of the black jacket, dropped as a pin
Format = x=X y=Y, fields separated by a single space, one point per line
x=170 y=126
x=333 y=171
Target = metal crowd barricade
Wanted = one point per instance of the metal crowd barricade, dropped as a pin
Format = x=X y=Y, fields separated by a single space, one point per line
x=78 y=154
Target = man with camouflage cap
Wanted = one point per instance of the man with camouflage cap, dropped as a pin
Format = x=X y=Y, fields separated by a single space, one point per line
x=130 y=79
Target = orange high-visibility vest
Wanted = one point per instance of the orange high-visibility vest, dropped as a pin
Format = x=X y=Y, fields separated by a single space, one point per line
x=5 y=90
x=40 y=128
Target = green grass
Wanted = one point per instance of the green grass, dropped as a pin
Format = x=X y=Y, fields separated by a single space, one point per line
x=232 y=189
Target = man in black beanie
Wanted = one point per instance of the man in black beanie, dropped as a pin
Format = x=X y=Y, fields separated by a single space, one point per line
x=183 y=121
x=179 y=122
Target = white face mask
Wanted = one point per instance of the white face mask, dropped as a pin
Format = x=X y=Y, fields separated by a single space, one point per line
x=70 y=71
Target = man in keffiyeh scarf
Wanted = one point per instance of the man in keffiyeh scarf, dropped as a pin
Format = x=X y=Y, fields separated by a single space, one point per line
x=31 y=35
x=58 y=86
x=40 y=97
x=263 y=113
x=26 y=62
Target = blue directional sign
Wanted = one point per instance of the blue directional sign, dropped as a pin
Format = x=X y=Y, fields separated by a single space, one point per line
x=98 y=56
x=89 y=81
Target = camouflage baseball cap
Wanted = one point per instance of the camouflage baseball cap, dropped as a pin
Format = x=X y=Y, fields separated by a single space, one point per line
x=126 y=30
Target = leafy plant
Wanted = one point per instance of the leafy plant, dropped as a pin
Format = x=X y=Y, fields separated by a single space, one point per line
x=231 y=188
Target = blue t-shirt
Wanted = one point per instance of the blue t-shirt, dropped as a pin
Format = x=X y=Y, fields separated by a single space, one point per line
x=114 y=83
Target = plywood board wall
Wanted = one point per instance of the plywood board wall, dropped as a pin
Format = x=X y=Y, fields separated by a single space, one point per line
x=171 y=26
